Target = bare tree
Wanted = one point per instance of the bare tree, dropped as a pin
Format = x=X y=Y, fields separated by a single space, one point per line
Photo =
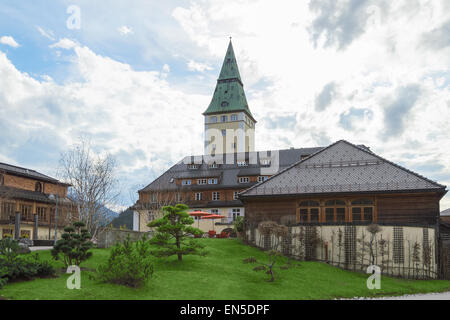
x=93 y=181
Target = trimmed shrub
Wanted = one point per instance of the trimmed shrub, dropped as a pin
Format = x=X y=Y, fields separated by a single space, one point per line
x=129 y=263
x=14 y=266
x=74 y=246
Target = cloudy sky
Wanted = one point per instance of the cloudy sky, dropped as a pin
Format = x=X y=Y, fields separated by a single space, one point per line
x=135 y=79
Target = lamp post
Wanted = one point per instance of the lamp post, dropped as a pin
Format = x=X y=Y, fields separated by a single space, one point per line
x=55 y=197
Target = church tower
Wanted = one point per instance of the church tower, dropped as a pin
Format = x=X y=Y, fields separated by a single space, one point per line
x=229 y=124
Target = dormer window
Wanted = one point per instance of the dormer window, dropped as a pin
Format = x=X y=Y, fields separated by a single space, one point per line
x=193 y=166
x=186 y=182
x=242 y=164
x=38 y=187
x=212 y=181
x=244 y=179
x=262 y=178
x=303 y=157
x=265 y=162
x=224 y=103
x=201 y=181
x=213 y=166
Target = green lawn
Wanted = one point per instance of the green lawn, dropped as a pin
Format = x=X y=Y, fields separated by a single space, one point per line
x=220 y=275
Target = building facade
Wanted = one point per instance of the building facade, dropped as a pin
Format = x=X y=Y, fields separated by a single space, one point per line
x=31 y=204
x=212 y=182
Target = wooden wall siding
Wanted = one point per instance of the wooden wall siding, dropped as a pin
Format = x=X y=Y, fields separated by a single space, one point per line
x=409 y=208
x=30 y=184
x=396 y=208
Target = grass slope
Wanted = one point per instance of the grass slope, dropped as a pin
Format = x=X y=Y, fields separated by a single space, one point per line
x=220 y=275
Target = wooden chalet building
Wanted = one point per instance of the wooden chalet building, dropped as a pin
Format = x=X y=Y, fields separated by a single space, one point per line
x=28 y=204
x=345 y=183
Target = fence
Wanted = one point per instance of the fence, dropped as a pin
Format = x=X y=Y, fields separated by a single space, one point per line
x=108 y=237
x=401 y=251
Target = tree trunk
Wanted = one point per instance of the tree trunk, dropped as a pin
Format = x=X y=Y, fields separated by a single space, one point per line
x=180 y=256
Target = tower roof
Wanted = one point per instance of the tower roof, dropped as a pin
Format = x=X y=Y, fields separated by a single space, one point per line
x=229 y=95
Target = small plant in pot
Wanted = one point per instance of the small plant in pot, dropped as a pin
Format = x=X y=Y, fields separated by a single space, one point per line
x=239 y=226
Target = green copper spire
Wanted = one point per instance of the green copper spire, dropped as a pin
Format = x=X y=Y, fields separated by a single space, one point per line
x=229 y=67
x=229 y=95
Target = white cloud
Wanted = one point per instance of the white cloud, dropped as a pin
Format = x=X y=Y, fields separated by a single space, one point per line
x=124 y=30
x=135 y=115
x=64 y=44
x=9 y=41
x=198 y=66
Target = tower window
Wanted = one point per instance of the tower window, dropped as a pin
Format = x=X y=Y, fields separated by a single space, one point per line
x=223 y=118
x=234 y=117
x=224 y=103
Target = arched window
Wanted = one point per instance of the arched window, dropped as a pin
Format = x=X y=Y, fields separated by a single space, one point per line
x=335 y=211
x=309 y=211
x=362 y=210
x=38 y=187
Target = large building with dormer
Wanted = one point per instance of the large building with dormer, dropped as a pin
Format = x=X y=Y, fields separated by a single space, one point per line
x=230 y=164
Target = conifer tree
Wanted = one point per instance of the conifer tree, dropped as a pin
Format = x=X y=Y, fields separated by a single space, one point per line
x=174 y=233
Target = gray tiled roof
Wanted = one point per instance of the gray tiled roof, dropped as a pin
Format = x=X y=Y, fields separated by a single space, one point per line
x=227 y=173
x=342 y=167
x=24 y=172
x=445 y=212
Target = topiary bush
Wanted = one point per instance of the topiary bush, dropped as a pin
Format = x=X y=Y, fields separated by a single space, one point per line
x=74 y=246
x=129 y=263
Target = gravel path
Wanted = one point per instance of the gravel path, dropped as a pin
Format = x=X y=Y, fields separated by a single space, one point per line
x=40 y=248
x=425 y=296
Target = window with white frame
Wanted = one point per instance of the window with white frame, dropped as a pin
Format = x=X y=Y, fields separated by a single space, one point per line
x=213 y=119
x=198 y=196
x=212 y=181
x=186 y=182
x=242 y=163
x=193 y=166
x=234 y=117
x=244 y=179
x=235 y=195
x=236 y=212
x=213 y=166
x=223 y=118
x=215 y=196
x=202 y=181
x=262 y=178
x=265 y=162
x=224 y=132
x=153 y=198
x=177 y=197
